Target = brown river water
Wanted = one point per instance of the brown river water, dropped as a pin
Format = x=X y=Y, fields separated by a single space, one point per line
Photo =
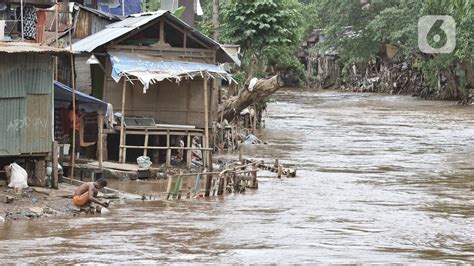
x=380 y=179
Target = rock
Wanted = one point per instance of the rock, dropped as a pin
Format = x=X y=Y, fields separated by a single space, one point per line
x=48 y=210
x=37 y=210
x=6 y=199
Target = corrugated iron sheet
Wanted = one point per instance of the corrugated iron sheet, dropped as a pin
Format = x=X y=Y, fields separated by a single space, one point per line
x=11 y=112
x=36 y=135
x=10 y=77
x=22 y=74
x=25 y=103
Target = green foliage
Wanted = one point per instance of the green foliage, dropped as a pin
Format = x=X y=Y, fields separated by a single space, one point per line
x=151 y=5
x=267 y=30
x=357 y=31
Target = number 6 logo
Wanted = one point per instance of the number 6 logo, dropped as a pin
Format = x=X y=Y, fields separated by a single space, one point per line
x=436 y=34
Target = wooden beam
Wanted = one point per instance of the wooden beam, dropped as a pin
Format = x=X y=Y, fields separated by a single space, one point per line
x=122 y=139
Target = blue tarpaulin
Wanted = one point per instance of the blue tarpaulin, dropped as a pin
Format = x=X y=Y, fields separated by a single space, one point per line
x=63 y=98
x=149 y=69
x=114 y=7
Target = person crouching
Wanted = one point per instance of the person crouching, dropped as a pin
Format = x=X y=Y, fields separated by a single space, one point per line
x=86 y=194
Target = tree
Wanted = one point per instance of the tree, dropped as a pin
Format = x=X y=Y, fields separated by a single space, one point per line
x=215 y=19
x=260 y=26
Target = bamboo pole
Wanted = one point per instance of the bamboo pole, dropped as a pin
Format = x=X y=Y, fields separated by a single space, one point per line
x=100 y=143
x=73 y=81
x=122 y=121
x=22 y=19
x=206 y=139
x=206 y=122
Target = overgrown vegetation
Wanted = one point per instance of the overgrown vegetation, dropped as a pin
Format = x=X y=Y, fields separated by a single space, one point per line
x=357 y=30
x=268 y=32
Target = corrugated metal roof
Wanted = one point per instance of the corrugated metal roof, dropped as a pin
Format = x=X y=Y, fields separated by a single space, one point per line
x=118 y=29
x=26 y=47
x=113 y=31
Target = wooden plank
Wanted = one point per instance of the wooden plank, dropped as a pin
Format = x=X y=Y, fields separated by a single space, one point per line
x=162 y=49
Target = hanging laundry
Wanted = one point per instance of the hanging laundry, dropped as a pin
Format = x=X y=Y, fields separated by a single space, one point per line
x=29 y=21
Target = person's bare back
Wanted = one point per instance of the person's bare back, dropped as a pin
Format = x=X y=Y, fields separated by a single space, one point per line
x=86 y=193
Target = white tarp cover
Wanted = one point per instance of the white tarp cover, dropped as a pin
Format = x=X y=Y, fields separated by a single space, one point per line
x=149 y=70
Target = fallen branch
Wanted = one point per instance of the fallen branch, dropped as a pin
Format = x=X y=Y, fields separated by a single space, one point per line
x=235 y=104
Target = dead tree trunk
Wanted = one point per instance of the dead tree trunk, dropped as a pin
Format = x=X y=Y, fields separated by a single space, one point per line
x=235 y=104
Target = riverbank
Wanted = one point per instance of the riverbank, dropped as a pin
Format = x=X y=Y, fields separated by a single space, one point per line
x=35 y=202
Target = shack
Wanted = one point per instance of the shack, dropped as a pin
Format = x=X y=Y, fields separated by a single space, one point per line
x=26 y=104
x=162 y=72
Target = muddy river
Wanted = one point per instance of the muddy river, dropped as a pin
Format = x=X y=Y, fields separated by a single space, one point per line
x=380 y=179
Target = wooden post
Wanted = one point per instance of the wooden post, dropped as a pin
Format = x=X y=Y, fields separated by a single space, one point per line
x=206 y=138
x=254 y=121
x=162 y=32
x=54 y=165
x=253 y=181
x=168 y=188
x=188 y=152
x=185 y=37
x=206 y=123
x=100 y=143
x=168 y=150
x=145 y=144
x=226 y=181
x=122 y=139
x=241 y=157
x=280 y=170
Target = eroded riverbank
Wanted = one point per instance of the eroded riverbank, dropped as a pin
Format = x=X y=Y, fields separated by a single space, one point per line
x=380 y=179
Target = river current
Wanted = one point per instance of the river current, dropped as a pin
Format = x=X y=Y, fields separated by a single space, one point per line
x=380 y=179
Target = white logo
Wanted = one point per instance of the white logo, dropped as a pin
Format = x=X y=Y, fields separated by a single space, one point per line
x=436 y=34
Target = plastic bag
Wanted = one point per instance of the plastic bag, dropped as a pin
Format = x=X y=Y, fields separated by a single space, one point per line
x=18 y=177
x=144 y=162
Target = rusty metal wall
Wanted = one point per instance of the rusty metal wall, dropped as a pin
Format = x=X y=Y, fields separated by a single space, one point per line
x=26 y=84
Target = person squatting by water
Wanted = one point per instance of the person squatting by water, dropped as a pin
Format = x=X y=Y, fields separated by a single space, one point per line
x=86 y=194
